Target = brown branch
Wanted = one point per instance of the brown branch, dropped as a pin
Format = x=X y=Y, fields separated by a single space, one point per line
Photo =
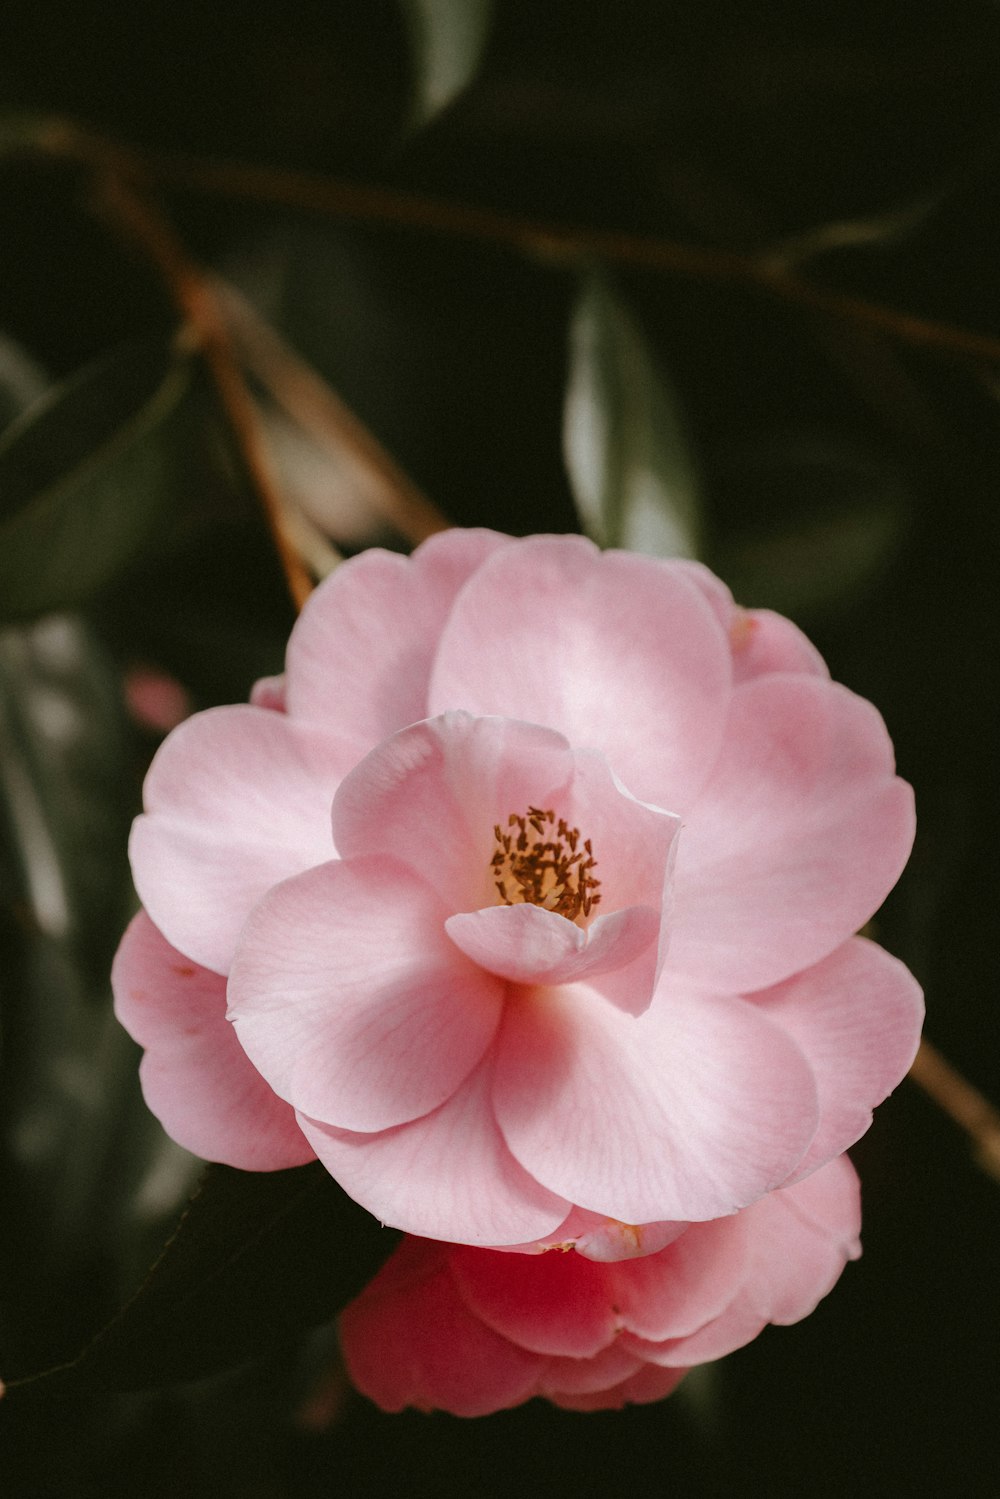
x=962 y=1102
x=310 y=402
x=563 y=242
x=121 y=196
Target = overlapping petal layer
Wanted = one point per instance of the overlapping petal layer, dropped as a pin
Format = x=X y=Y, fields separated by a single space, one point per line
x=800 y=831
x=590 y=1335
x=619 y=653
x=236 y=800
x=431 y=1174
x=351 y=1001
x=196 y=1078
x=485 y=1056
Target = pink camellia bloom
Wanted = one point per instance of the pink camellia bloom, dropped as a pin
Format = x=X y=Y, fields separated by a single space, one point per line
x=525 y=901
x=471 y=1331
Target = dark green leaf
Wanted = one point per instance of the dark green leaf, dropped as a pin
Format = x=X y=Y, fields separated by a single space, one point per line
x=21 y=381
x=86 y=472
x=75 y=1134
x=448 y=39
x=630 y=463
x=256 y=1259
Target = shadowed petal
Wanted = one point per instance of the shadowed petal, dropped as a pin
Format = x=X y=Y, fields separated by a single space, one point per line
x=551 y=1303
x=196 y=1078
x=409 y=1340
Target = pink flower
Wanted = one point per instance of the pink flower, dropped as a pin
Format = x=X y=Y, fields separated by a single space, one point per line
x=534 y=881
x=473 y=1331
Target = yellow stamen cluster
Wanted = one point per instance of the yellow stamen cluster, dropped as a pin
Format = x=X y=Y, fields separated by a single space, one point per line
x=540 y=861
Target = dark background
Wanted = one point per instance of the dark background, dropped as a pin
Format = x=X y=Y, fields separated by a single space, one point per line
x=721 y=126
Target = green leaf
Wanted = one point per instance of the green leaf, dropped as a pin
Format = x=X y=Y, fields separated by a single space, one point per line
x=447 y=41
x=68 y=1099
x=630 y=463
x=21 y=380
x=257 y=1258
x=85 y=474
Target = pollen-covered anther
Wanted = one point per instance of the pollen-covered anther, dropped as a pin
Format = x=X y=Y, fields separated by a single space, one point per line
x=540 y=860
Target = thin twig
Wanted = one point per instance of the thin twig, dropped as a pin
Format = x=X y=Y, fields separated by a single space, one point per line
x=962 y=1102
x=306 y=397
x=122 y=198
x=550 y=241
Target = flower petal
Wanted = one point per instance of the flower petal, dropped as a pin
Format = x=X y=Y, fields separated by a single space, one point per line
x=798 y=1241
x=589 y=1376
x=856 y=1016
x=448 y=1175
x=433 y=794
x=347 y=995
x=796 y=840
x=408 y=1339
x=646 y=1385
x=195 y=1076
x=619 y=652
x=693 y=1280
x=761 y=641
x=361 y=651
x=529 y=945
x=236 y=799
x=549 y=1303
x=691 y=1111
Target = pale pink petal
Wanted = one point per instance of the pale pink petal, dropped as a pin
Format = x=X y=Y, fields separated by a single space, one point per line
x=408 y=1340
x=236 y=799
x=549 y=1303
x=529 y=945
x=798 y=1241
x=818 y=1234
x=195 y=1076
x=856 y=1016
x=589 y=1376
x=796 y=840
x=764 y=642
x=619 y=652
x=448 y=1175
x=675 y=1292
x=602 y=1239
x=642 y=1388
x=361 y=651
x=761 y=641
x=609 y=1240
x=348 y=996
x=433 y=795
x=691 y=1111
x=269 y=692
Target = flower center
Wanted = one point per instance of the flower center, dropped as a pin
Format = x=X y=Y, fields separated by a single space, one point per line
x=541 y=862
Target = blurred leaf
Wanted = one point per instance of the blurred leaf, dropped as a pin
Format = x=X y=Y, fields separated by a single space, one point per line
x=630 y=463
x=69 y=1101
x=447 y=40
x=823 y=517
x=257 y=1258
x=85 y=474
x=21 y=381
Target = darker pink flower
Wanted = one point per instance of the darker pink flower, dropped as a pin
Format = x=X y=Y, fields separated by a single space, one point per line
x=528 y=893
x=471 y=1331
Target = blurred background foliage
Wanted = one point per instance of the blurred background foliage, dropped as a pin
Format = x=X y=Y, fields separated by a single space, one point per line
x=714 y=280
